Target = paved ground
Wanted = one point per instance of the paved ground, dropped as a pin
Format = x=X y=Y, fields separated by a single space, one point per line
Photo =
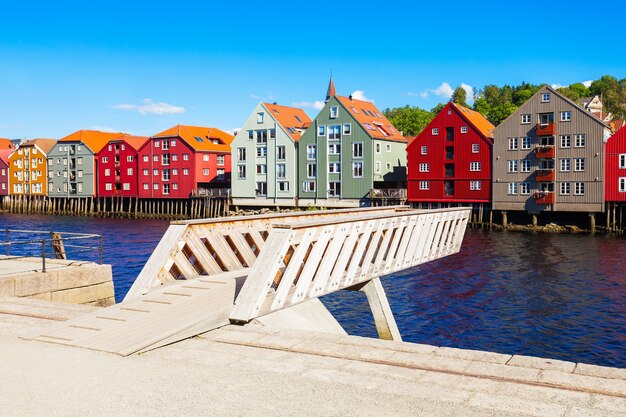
x=12 y=265
x=258 y=370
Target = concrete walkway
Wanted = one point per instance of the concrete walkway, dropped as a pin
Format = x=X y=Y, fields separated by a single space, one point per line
x=257 y=370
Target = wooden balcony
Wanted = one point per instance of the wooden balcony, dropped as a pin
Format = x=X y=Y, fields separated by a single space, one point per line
x=544 y=129
x=544 y=152
x=544 y=197
x=544 y=175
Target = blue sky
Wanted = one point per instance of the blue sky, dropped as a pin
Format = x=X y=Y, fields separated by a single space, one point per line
x=143 y=67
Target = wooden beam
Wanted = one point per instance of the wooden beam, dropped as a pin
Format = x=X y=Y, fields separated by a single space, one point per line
x=383 y=316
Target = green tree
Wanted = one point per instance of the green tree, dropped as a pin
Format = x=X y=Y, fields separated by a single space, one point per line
x=435 y=110
x=491 y=93
x=409 y=120
x=459 y=96
x=569 y=93
x=580 y=90
x=482 y=106
x=498 y=113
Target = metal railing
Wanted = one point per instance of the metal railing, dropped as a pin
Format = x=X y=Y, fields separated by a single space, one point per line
x=211 y=192
x=399 y=193
x=35 y=243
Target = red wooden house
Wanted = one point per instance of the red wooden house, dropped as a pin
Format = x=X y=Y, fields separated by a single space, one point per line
x=182 y=161
x=117 y=167
x=450 y=160
x=615 y=167
x=4 y=171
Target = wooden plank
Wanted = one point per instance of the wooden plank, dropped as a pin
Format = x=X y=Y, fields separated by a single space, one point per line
x=383 y=316
x=360 y=248
x=373 y=248
x=222 y=249
x=242 y=246
x=184 y=266
x=311 y=264
x=390 y=258
x=379 y=259
x=201 y=253
x=401 y=258
x=346 y=252
x=323 y=273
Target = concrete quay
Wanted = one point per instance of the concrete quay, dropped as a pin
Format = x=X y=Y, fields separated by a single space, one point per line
x=262 y=370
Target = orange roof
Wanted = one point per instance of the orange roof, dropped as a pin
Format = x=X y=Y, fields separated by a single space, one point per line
x=477 y=120
x=6 y=144
x=292 y=119
x=95 y=140
x=44 y=144
x=200 y=138
x=4 y=155
x=135 y=142
x=616 y=124
x=372 y=120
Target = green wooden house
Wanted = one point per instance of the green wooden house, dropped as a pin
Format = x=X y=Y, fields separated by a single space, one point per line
x=349 y=153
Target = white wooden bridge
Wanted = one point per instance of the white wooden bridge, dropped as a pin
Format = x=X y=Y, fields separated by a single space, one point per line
x=205 y=274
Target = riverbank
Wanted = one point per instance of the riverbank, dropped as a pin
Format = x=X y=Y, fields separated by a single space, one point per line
x=258 y=370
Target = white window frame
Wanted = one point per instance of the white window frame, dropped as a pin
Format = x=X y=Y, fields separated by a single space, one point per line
x=464 y=129
x=435 y=131
x=512 y=165
x=424 y=150
x=622 y=161
x=565 y=141
x=311 y=152
x=545 y=97
x=579 y=164
x=527 y=119
x=565 y=165
x=357 y=150
x=424 y=185
x=524 y=188
x=333 y=112
x=621 y=184
x=579 y=188
x=475 y=185
x=513 y=144
x=354 y=167
x=525 y=165
x=565 y=188
x=566 y=116
x=347 y=131
x=526 y=142
x=512 y=188
x=475 y=147
x=424 y=167
x=475 y=166
x=580 y=140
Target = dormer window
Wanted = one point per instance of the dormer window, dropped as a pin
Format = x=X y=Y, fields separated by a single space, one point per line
x=334 y=112
x=260 y=117
x=545 y=98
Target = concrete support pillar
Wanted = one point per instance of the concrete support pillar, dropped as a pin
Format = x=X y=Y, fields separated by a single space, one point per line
x=504 y=219
x=383 y=317
x=534 y=218
x=592 y=222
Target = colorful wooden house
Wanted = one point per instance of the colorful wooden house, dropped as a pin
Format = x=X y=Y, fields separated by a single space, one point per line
x=348 y=153
x=118 y=167
x=184 y=161
x=265 y=159
x=4 y=171
x=29 y=167
x=549 y=156
x=72 y=163
x=615 y=172
x=450 y=160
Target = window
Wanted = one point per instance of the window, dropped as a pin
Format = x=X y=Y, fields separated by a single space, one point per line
x=579 y=188
x=512 y=164
x=79 y=187
x=185 y=171
x=579 y=164
x=334 y=189
x=107 y=172
x=157 y=144
x=357 y=149
x=173 y=142
x=205 y=157
x=155 y=172
x=155 y=158
x=79 y=160
x=241 y=172
x=377 y=147
x=580 y=140
x=126 y=186
x=174 y=171
x=378 y=168
x=424 y=167
x=165 y=159
x=220 y=174
x=311 y=170
x=622 y=160
x=388 y=148
x=273 y=133
x=475 y=166
x=283 y=186
x=129 y=171
x=175 y=186
x=105 y=159
x=525 y=165
x=475 y=185
x=334 y=112
x=334 y=148
x=526 y=119
x=145 y=172
x=334 y=132
x=205 y=171
x=166 y=189
x=525 y=142
x=524 y=188
x=250 y=134
x=146 y=186
x=108 y=186
x=424 y=150
x=566 y=116
x=357 y=169
x=565 y=164
x=475 y=147
x=347 y=129
x=321 y=130
x=155 y=186
x=463 y=129
x=166 y=144
x=435 y=131
x=166 y=175
x=424 y=185
x=241 y=154
x=185 y=157
x=565 y=188
x=261 y=169
x=220 y=160
x=334 y=168
x=622 y=184
x=512 y=188
x=566 y=141
x=311 y=153
x=545 y=97
x=513 y=144
x=308 y=186
x=129 y=158
x=281 y=153
x=281 y=171
x=260 y=117
x=261 y=151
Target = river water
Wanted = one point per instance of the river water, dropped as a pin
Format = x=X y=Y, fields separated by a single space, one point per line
x=547 y=295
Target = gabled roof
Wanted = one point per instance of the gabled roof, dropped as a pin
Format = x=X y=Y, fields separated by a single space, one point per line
x=95 y=140
x=200 y=138
x=331 y=91
x=135 y=142
x=6 y=144
x=371 y=119
x=477 y=120
x=4 y=155
x=45 y=145
x=293 y=120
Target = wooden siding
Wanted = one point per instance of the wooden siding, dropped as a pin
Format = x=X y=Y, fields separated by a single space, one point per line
x=581 y=123
x=117 y=172
x=4 y=178
x=615 y=147
x=27 y=154
x=59 y=174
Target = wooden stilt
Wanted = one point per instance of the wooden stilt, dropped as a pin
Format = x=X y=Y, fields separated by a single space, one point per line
x=383 y=316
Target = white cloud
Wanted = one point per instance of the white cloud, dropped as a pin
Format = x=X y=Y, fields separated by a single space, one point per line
x=233 y=131
x=444 y=90
x=587 y=83
x=469 y=91
x=557 y=86
x=254 y=96
x=318 y=105
x=104 y=129
x=360 y=95
x=150 y=107
x=423 y=94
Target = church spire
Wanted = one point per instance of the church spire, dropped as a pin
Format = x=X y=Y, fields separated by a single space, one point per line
x=331 y=88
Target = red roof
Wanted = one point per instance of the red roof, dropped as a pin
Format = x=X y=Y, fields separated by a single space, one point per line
x=6 y=144
x=373 y=121
x=292 y=119
x=4 y=155
x=200 y=138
